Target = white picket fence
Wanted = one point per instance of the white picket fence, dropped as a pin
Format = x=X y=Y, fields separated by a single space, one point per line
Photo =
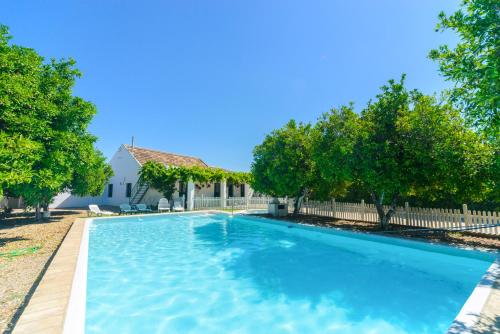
x=470 y=220
x=237 y=203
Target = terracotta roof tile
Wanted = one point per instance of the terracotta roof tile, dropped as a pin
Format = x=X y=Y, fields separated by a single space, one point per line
x=144 y=155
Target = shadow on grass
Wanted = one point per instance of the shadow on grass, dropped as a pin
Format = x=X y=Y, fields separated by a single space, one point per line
x=24 y=218
x=5 y=241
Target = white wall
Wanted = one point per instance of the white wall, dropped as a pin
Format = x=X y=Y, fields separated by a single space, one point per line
x=126 y=170
x=152 y=196
x=66 y=200
x=209 y=191
x=205 y=191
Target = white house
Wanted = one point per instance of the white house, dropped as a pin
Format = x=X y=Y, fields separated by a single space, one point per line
x=123 y=187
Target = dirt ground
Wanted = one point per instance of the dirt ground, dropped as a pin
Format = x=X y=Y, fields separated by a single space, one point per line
x=25 y=248
x=455 y=238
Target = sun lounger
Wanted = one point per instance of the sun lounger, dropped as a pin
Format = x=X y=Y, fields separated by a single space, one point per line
x=94 y=209
x=142 y=208
x=126 y=208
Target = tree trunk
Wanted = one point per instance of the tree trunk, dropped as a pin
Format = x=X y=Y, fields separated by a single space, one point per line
x=297 y=204
x=384 y=218
x=46 y=211
x=38 y=215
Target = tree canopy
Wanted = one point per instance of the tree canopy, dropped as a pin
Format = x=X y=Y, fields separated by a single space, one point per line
x=333 y=140
x=474 y=63
x=45 y=147
x=282 y=164
x=403 y=145
x=411 y=146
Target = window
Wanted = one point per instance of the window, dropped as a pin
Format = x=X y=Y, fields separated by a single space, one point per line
x=231 y=190
x=128 y=191
x=182 y=189
x=217 y=189
x=110 y=190
x=242 y=190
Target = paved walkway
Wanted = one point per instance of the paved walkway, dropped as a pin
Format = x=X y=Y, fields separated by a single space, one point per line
x=489 y=323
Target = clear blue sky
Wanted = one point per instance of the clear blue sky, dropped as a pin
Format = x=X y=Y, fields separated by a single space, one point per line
x=211 y=78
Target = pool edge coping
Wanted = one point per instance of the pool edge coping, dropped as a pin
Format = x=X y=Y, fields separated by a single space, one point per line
x=74 y=315
x=470 y=313
x=54 y=288
x=464 y=322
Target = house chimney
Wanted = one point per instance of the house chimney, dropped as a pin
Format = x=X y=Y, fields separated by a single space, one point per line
x=132 y=142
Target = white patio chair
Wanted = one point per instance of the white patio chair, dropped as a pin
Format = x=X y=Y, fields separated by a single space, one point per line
x=163 y=205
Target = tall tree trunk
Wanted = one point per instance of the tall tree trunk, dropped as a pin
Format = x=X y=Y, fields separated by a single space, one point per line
x=384 y=218
x=5 y=209
x=297 y=204
x=38 y=215
x=46 y=209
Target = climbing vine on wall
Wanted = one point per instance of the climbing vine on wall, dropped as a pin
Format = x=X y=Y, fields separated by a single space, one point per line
x=164 y=178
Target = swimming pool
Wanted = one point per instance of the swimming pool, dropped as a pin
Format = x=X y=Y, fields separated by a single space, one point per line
x=213 y=273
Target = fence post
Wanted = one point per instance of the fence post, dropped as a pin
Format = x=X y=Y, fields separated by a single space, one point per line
x=466 y=214
x=190 y=196
x=363 y=210
x=333 y=208
x=407 y=213
x=223 y=194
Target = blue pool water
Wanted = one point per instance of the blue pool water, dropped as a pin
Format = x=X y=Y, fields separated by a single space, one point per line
x=212 y=273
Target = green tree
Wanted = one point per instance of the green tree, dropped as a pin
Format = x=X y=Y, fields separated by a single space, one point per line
x=43 y=128
x=159 y=177
x=17 y=157
x=403 y=146
x=447 y=162
x=474 y=63
x=412 y=146
x=282 y=164
x=333 y=139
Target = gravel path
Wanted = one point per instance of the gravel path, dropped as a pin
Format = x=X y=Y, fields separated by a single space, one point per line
x=25 y=248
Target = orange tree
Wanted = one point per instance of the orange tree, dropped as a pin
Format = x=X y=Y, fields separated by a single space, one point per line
x=403 y=145
x=45 y=147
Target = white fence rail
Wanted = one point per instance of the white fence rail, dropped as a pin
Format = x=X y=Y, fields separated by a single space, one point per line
x=237 y=203
x=470 y=220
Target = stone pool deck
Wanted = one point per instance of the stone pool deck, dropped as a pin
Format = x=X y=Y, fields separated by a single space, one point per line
x=46 y=310
x=490 y=315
